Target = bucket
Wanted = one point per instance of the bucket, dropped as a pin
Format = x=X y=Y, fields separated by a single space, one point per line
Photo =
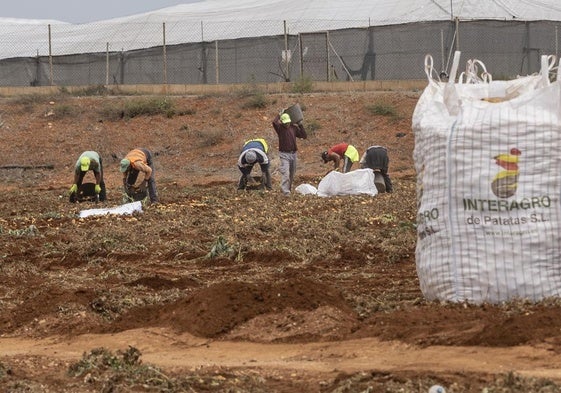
x=85 y=193
x=379 y=181
x=136 y=195
x=295 y=113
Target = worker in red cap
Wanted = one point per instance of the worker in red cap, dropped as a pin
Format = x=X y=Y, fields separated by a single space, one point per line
x=254 y=151
x=341 y=153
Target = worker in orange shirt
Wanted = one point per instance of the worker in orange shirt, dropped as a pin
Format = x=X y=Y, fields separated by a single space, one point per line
x=135 y=162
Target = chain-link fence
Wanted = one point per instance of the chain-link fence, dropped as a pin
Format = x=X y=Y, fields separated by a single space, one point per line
x=155 y=53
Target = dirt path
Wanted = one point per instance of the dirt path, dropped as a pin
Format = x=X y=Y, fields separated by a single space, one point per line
x=170 y=351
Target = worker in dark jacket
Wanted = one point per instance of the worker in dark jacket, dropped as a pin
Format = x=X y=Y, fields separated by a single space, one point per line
x=376 y=158
x=139 y=161
x=287 y=133
x=254 y=151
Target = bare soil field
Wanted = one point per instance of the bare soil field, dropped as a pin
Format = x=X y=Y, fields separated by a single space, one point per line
x=302 y=293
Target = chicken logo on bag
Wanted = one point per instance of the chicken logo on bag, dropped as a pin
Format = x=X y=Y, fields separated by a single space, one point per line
x=505 y=182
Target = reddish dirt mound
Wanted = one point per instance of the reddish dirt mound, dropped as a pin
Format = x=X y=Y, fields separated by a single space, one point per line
x=219 y=308
x=161 y=283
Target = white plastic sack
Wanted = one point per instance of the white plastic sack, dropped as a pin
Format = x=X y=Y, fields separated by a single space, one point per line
x=127 y=208
x=488 y=164
x=306 y=189
x=359 y=181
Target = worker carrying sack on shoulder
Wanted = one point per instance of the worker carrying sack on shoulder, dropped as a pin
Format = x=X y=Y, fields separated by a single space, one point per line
x=488 y=162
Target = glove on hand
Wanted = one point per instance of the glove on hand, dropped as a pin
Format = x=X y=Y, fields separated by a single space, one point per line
x=73 y=189
x=143 y=186
x=97 y=188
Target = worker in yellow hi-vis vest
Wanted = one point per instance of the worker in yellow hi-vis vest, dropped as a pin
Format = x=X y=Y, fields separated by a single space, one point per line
x=341 y=153
x=254 y=151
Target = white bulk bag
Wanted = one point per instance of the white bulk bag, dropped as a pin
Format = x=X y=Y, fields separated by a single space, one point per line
x=359 y=181
x=488 y=161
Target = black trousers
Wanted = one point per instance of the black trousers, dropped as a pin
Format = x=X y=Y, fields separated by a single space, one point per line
x=246 y=172
x=377 y=159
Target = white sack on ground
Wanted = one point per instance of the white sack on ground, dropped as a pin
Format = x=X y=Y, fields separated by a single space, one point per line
x=359 y=181
x=488 y=164
x=128 y=208
x=306 y=189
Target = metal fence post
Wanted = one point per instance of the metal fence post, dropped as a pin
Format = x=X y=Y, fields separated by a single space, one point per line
x=204 y=65
x=217 y=68
x=107 y=64
x=327 y=55
x=50 y=59
x=301 y=55
x=122 y=61
x=557 y=41
x=457 y=33
x=164 y=54
x=287 y=70
x=442 y=66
